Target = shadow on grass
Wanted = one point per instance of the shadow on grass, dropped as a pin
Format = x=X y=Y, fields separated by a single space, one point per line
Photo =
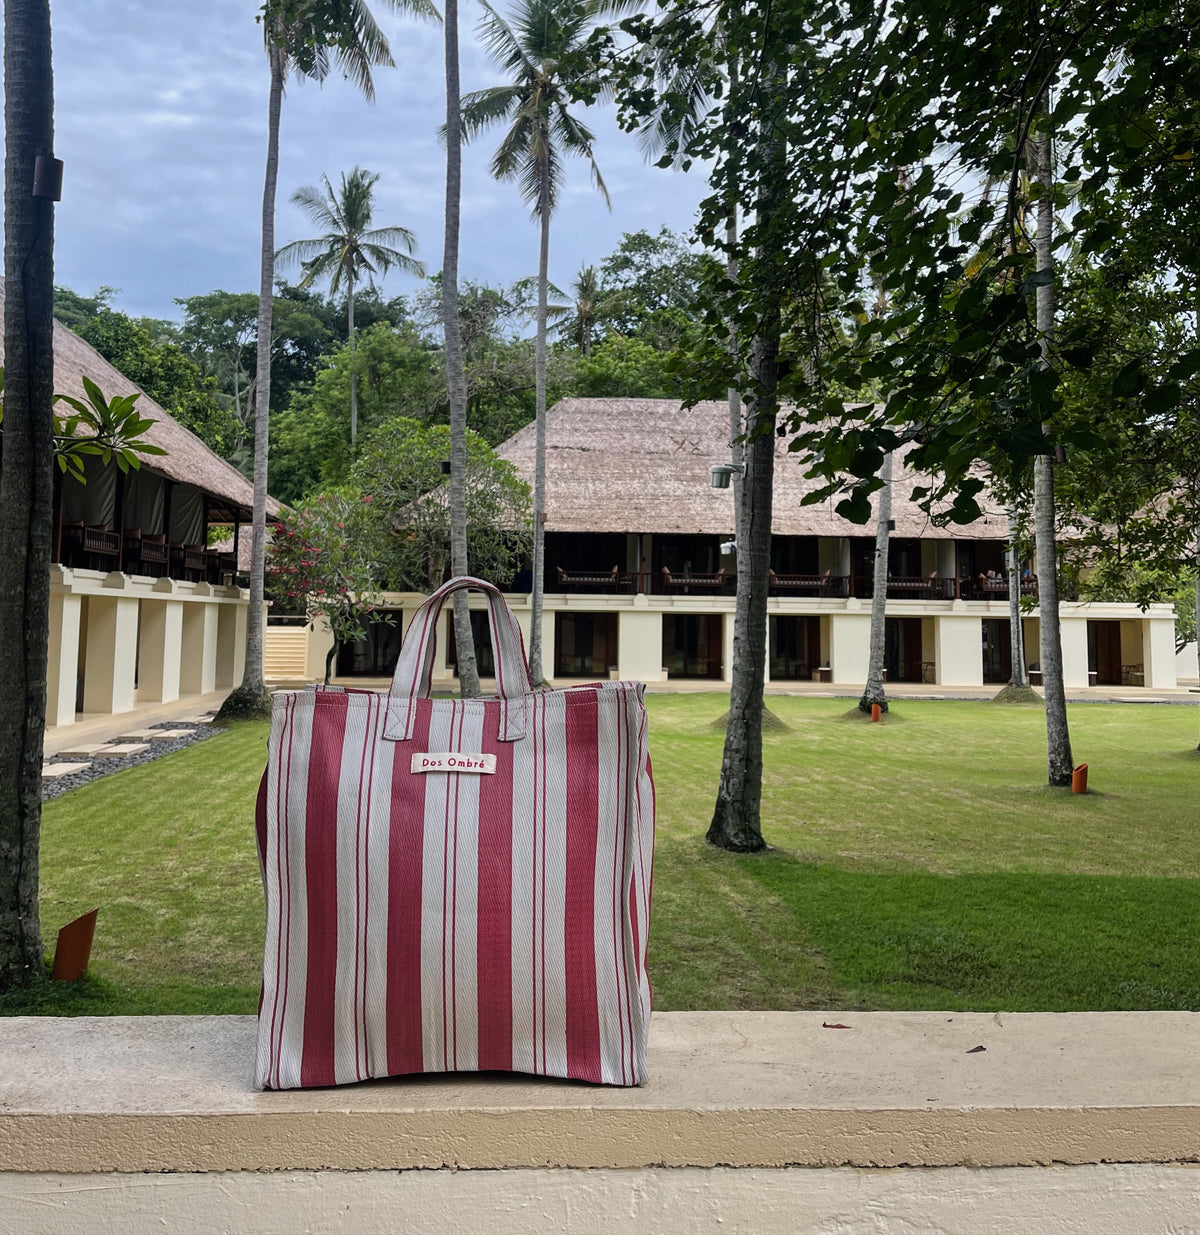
x=1048 y=943
x=98 y=997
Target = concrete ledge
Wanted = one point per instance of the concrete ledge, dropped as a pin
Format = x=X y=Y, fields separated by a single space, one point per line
x=728 y=1089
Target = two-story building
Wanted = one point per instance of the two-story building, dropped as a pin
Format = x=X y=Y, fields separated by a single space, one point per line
x=143 y=609
x=639 y=582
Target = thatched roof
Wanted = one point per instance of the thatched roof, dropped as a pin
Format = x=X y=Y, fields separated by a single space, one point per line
x=187 y=461
x=641 y=465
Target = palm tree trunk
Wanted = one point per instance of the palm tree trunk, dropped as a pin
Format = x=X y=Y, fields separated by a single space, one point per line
x=353 y=370
x=736 y=822
x=1058 y=738
x=26 y=481
x=456 y=381
x=874 y=691
x=539 y=474
x=1016 y=633
x=736 y=427
x=251 y=699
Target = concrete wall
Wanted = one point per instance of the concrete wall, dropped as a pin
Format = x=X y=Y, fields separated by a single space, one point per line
x=753 y=1122
x=639 y=645
x=133 y=639
x=959 y=650
x=1186 y=669
x=849 y=647
x=1056 y=1200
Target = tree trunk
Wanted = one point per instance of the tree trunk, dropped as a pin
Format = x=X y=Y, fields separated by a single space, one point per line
x=353 y=370
x=456 y=381
x=1197 y=626
x=874 y=692
x=539 y=474
x=1058 y=738
x=330 y=657
x=736 y=426
x=736 y=822
x=251 y=699
x=1016 y=633
x=26 y=481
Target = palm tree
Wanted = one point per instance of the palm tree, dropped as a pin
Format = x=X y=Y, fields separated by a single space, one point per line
x=456 y=376
x=349 y=249
x=588 y=300
x=543 y=37
x=305 y=37
x=26 y=483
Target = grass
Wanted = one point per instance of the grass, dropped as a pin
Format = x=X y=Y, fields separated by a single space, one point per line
x=917 y=863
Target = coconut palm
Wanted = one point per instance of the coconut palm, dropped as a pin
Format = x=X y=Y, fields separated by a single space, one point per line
x=587 y=303
x=534 y=49
x=26 y=487
x=350 y=248
x=456 y=377
x=307 y=38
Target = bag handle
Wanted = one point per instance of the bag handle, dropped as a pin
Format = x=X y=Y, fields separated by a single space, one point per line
x=413 y=678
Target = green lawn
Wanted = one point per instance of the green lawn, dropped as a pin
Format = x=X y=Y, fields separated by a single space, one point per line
x=919 y=863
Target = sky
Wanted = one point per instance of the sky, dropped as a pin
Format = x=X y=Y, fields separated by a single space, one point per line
x=160 y=118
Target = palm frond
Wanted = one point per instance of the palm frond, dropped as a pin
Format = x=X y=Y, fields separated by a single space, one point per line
x=386 y=259
x=502 y=44
x=482 y=108
x=301 y=251
x=316 y=204
x=578 y=139
x=392 y=237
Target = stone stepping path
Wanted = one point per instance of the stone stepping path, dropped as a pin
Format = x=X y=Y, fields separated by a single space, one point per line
x=52 y=771
x=66 y=770
x=85 y=750
x=154 y=735
x=121 y=750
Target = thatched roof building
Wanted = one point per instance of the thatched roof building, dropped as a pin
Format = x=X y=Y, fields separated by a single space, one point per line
x=187 y=461
x=641 y=465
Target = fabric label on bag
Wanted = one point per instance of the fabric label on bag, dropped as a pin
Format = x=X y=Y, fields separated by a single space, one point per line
x=453 y=761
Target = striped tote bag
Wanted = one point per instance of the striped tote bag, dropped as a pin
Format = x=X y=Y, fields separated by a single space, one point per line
x=456 y=884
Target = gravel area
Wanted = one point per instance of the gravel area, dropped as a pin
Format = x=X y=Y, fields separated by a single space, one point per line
x=106 y=767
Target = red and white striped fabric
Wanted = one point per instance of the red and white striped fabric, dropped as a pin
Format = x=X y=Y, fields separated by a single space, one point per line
x=456 y=920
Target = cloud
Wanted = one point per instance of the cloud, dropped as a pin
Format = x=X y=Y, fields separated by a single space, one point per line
x=161 y=121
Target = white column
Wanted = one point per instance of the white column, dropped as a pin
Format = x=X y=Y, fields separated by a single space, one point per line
x=320 y=640
x=62 y=667
x=198 y=674
x=727 y=647
x=1158 y=653
x=958 y=651
x=231 y=644
x=112 y=631
x=639 y=646
x=160 y=650
x=1074 y=651
x=849 y=647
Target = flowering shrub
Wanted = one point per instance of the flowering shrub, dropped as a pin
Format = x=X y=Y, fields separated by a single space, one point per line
x=325 y=554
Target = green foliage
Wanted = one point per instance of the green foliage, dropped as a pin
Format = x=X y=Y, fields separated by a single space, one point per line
x=108 y=429
x=325 y=555
x=399 y=472
x=398 y=374
x=149 y=354
x=621 y=367
x=891 y=126
x=651 y=285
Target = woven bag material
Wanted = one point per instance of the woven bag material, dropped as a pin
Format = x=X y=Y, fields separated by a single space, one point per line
x=490 y=913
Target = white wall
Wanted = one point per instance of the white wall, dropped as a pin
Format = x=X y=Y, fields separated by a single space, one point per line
x=1054 y=1200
